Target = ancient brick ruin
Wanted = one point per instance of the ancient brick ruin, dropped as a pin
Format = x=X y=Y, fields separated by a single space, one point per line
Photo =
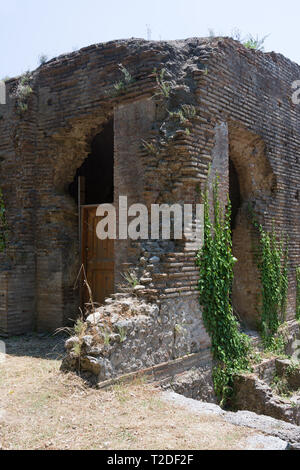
x=79 y=127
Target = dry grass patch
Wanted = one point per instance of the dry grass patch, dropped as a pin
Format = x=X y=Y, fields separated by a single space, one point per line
x=41 y=408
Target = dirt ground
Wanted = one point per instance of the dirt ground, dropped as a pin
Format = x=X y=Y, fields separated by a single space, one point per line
x=42 y=408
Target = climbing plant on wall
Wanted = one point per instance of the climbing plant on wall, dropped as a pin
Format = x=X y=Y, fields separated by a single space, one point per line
x=272 y=262
x=215 y=260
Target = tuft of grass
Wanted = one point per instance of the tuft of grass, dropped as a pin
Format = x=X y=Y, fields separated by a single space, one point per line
x=189 y=111
x=127 y=76
x=43 y=58
x=276 y=345
x=255 y=43
x=106 y=335
x=250 y=41
x=131 y=278
x=255 y=357
x=292 y=368
x=178 y=115
x=79 y=327
x=164 y=87
x=281 y=387
x=23 y=92
x=185 y=113
x=79 y=330
x=120 y=87
x=121 y=392
x=179 y=329
x=150 y=147
x=122 y=333
x=77 y=349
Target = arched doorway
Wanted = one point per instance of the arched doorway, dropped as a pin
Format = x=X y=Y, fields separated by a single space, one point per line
x=93 y=184
x=251 y=182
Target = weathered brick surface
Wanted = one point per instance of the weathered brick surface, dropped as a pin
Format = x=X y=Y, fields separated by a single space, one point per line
x=244 y=111
x=251 y=91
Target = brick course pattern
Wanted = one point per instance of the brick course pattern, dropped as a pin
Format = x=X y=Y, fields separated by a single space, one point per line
x=244 y=113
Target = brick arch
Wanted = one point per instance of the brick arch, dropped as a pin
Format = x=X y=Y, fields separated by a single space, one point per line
x=251 y=181
x=57 y=240
x=73 y=145
x=248 y=154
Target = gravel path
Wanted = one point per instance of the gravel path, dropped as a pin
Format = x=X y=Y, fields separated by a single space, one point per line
x=272 y=434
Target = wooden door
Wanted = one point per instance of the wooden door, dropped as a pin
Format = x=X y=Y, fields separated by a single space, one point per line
x=97 y=257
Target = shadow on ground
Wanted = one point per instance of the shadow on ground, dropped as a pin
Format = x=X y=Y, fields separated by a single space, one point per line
x=43 y=346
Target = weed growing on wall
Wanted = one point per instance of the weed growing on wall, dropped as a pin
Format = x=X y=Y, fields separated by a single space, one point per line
x=121 y=86
x=131 y=278
x=250 y=41
x=185 y=113
x=255 y=43
x=150 y=148
x=230 y=348
x=175 y=121
x=23 y=92
x=164 y=87
x=43 y=58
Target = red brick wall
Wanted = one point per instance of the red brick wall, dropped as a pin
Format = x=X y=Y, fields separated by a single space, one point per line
x=72 y=98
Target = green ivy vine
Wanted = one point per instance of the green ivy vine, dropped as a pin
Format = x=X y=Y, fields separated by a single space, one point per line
x=272 y=262
x=230 y=348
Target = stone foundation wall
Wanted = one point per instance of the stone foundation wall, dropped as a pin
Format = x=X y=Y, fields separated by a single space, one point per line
x=128 y=334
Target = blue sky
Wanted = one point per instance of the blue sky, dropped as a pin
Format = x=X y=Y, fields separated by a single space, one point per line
x=30 y=28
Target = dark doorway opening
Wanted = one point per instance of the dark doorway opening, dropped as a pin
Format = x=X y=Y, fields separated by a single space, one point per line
x=96 y=174
x=93 y=185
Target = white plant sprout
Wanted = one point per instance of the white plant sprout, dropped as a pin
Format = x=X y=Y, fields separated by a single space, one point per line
x=167 y=222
